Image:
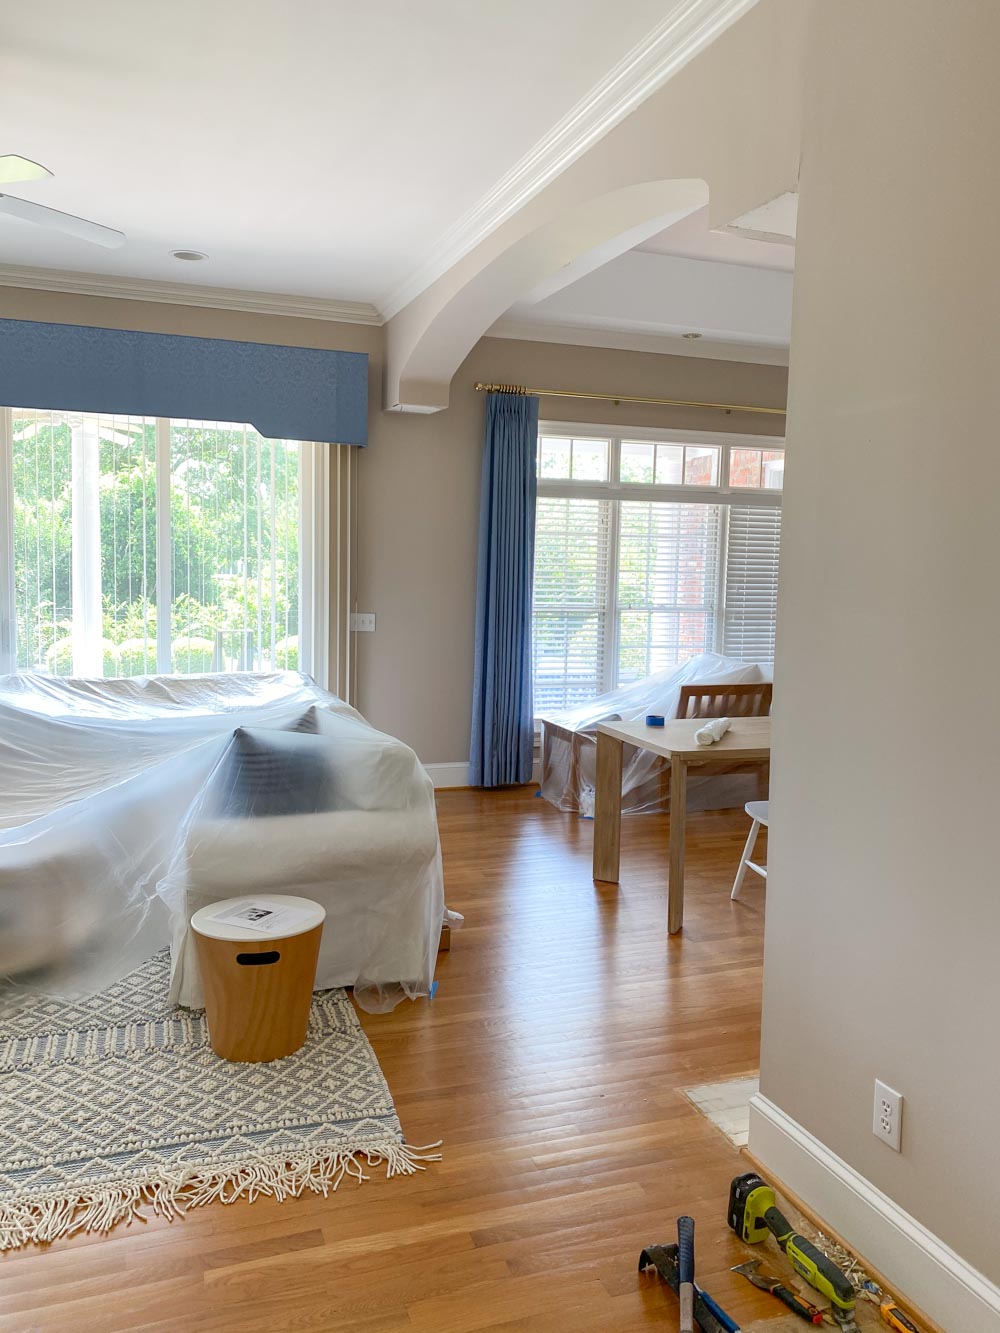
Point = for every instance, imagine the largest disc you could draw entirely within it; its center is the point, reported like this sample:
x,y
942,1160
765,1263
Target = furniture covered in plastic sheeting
x,y
127,804
569,743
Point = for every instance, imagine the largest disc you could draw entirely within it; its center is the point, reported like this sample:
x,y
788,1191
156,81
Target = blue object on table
x,y
654,720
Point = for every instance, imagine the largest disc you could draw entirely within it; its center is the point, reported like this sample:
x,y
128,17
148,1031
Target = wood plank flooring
x,y
549,1063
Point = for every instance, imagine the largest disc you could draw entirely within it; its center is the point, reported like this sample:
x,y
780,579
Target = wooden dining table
x,y
748,740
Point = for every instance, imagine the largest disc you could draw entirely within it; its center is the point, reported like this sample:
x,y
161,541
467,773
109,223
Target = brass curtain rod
x,y
627,398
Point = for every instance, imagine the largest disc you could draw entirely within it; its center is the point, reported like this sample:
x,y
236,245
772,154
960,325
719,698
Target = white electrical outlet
x,y
887,1122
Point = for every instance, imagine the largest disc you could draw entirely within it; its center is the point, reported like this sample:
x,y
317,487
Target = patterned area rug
x,y
118,1101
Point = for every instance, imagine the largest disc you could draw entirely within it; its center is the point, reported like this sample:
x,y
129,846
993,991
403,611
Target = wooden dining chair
x,y
753,700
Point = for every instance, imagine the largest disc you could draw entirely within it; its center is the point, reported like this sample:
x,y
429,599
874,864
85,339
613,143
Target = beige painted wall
x,y
418,484
883,911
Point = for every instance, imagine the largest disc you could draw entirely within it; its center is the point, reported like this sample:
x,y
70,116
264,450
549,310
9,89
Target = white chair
x,y
757,810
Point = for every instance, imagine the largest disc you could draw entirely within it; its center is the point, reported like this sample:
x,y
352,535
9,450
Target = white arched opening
x,y
428,341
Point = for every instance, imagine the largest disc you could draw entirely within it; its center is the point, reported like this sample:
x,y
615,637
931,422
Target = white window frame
x,y
723,494
314,552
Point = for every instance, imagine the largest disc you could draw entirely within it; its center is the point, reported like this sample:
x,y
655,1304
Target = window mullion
x,y
87,634
719,634
609,664
164,552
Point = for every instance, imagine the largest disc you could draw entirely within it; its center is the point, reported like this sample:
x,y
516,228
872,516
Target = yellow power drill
x,y
753,1213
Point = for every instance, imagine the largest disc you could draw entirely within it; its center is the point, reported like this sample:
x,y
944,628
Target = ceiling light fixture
x,y
690,335
191,255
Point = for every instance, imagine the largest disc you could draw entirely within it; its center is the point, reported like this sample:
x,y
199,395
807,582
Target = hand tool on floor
x,y
753,1272
685,1271
894,1317
708,1314
753,1213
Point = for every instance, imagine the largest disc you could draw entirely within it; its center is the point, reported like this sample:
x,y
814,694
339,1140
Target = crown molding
x,y
175,293
690,26
631,340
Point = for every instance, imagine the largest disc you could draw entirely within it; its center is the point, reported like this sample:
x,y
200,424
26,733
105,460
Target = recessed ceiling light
x,y
683,335
192,255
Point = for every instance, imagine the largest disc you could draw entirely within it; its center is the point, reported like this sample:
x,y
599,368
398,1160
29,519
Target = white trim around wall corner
x,y
926,1270
688,28
457,774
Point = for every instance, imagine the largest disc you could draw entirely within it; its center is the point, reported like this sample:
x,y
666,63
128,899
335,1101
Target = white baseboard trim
x,y
925,1269
448,775
457,774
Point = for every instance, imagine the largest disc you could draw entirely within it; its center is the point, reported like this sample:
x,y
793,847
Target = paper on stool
x,y
261,914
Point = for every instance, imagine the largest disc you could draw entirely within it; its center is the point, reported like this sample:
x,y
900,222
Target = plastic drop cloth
x,y
569,743
125,805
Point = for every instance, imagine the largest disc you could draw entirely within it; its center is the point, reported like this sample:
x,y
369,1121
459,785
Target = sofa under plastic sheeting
x,y
569,743
125,805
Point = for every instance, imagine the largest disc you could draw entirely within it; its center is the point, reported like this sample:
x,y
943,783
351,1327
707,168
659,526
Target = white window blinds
x,y
751,582
570,600
667,585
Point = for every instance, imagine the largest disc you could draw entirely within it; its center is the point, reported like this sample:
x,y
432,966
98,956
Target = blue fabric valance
x,y
291,393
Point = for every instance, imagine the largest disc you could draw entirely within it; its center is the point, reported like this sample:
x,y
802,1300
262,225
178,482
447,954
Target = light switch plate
x,y
363,622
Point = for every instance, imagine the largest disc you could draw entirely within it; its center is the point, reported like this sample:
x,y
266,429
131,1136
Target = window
x,y
144,545
649,549
667,577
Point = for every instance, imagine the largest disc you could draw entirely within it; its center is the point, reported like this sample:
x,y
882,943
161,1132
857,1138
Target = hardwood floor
x,y
549,1063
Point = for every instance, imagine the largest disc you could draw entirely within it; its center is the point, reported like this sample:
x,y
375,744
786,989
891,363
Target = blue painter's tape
x,y
434,989
654,720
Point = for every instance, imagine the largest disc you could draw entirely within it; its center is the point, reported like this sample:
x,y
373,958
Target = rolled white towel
x,y
712,731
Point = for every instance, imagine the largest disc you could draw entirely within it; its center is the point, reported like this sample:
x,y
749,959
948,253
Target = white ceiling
x,y
692,239
733,291
318,147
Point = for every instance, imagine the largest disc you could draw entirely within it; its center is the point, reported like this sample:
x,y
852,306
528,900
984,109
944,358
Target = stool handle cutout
x,y
258,959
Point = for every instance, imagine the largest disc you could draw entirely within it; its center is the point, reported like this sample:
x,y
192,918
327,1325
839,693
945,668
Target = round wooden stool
x,y
258,982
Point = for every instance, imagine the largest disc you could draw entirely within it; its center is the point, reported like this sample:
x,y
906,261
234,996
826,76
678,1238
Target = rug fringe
x,y
171,1194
